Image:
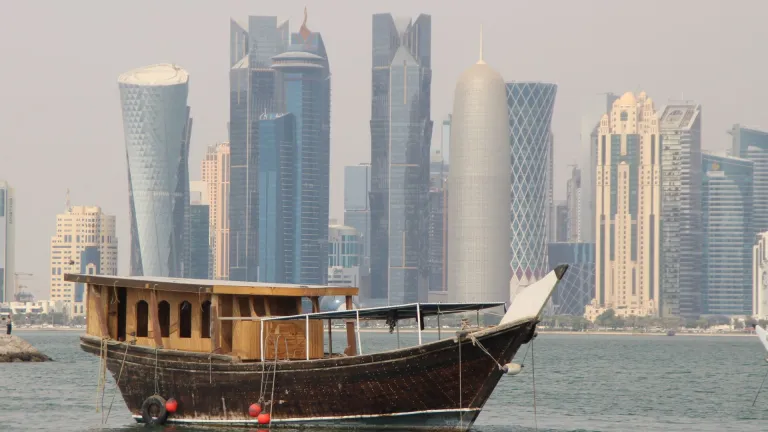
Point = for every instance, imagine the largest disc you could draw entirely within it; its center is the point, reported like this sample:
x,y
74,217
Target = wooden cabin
x,y
224,317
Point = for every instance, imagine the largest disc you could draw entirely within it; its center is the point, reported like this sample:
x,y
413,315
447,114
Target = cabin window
x,y
282,306
205,323
258,306
164,317
244,306
185,319
142,319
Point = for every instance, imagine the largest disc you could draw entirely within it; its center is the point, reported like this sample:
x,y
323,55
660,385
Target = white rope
x,y
119,375
533,373
478,344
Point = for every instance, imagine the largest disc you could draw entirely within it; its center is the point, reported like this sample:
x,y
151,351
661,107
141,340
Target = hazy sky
x,y
60,119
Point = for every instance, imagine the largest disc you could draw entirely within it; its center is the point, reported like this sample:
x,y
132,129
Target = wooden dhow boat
x,y
236,353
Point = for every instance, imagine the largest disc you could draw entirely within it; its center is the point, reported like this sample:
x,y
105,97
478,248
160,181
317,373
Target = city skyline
x,y
194,53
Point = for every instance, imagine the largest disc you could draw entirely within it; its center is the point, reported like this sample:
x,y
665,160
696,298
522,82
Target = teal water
x,y
583,383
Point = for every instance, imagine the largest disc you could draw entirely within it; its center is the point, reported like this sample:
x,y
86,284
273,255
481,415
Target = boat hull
x,y
439,385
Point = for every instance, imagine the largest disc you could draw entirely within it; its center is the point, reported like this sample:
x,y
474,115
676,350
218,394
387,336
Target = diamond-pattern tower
x,y
530,106
157,127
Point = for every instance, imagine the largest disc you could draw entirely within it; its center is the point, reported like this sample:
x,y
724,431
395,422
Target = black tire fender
x,y
147,418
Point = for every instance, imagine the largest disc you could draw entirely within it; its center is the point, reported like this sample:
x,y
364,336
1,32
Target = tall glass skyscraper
x,y
681,264
357,211
577,288
157,128
277,167
7,242
530,107
728,222
752,144
573,193
278,76
401,132
253,87
199,237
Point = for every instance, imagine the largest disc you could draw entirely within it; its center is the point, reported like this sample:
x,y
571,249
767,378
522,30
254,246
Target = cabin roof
x,y
401,312
204,286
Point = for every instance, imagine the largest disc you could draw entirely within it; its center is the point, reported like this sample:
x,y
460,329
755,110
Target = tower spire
x,y
67,203
481,61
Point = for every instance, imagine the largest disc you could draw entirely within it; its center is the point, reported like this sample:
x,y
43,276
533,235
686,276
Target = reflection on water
x,y
583,383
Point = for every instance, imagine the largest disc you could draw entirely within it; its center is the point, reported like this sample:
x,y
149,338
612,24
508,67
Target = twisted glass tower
x,y
157,127
530,106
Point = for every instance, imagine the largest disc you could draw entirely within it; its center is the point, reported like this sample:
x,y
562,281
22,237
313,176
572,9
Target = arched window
x,y
164,316
142,319
185,319
205,323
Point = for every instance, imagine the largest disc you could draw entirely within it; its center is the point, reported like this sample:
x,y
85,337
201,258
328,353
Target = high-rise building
x,y
253,90
157,128
85,242
752,144
357,211
272,73
559,225
530,106
345,254
577,287
628,207
401,132
681,237
277,198
7,242
728,232
592,112
479,180
436,245
215,173
199,238
573,193
760,277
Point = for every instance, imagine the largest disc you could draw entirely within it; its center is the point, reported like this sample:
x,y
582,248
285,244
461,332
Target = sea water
x,y
582,383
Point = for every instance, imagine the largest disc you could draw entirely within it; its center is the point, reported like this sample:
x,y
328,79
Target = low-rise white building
x,y
760,276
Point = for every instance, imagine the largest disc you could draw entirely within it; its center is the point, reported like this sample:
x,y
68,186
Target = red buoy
x,y
254,410
263,418
171,405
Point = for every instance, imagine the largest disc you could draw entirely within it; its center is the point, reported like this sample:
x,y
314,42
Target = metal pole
x,y
359,343
478,318
306,336
261,339
397,326
439,337
330,338
418,321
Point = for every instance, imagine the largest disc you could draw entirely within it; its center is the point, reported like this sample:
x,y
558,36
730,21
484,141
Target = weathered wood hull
x,y
439,385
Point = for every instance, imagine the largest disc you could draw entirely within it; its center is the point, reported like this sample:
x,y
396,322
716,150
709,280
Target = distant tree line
x,y
609,319
56,318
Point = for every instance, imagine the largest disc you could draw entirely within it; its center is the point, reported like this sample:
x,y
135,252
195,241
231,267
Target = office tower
x,y
560,223
592,111
728,230
306,86
157,129
253,90
628,207
7,242
760,277
530,106
345,255
357,211
401,132
199,238
215,173
438,195
752,144
85,242
277,196
577,287
573,193
478,206
681,267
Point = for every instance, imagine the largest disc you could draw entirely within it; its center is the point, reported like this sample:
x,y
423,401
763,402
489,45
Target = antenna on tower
x,y
67,204
481,61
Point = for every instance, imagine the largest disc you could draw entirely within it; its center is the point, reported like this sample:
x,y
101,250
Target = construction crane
x,y
16,286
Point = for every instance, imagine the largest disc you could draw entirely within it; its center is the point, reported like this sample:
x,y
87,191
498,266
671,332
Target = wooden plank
x,y
101,307
285,291
315,304
215,326
155,319
351,337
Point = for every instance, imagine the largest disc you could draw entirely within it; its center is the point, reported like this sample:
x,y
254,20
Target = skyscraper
x,y
628,207
157,128
478,206
573,193
357,211
253,90
401,132
728,214
752,144
215,172
85,242
199,237
577,287
590,125
530,106
681,237
559,223
438,194
7,242
760,277
277,167
275,76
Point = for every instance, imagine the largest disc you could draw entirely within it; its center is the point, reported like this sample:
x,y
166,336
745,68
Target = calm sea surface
x,y
583,383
